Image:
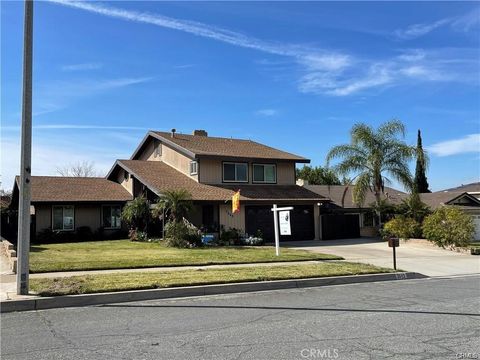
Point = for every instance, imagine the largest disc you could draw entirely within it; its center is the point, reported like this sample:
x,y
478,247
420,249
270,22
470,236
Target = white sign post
x,y
284,224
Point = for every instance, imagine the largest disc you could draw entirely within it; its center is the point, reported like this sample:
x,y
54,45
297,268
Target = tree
x,y
372,155
137,214
413,207
420,182
176,203
318,176
79,169
449,226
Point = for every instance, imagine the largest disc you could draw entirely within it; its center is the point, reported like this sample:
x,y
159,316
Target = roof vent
x,y
200,133
173,133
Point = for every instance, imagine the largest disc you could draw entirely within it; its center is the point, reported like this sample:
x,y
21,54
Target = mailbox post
x,y
394,243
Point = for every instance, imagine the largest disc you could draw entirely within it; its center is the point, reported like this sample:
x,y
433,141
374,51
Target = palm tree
x,y
371,156
176,203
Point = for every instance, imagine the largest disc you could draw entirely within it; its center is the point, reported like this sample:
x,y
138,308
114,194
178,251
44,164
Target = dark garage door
x,y
261,218
340,226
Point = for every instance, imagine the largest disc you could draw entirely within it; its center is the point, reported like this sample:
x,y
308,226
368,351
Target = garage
x,y
476,222
302,222
340,226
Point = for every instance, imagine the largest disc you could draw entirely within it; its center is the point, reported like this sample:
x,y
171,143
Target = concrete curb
x,y
39,303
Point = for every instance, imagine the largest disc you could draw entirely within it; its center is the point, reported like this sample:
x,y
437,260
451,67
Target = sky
x,y
292,75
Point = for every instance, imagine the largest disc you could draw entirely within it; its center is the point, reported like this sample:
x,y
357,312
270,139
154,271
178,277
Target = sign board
x,y
284,217
393,242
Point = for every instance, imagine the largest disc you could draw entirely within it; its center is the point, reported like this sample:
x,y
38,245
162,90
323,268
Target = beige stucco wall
x,y
125,181
211,172
229,220
177,160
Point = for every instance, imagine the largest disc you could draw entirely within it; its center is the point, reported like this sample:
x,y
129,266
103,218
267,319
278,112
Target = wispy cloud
x,y
82,67
457,23
56,95
322,71
266,112
76,127
467,144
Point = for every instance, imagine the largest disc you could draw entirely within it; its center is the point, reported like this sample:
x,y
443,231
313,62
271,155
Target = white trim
x,y
193,162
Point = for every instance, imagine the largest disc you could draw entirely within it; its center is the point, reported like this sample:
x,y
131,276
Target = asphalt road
x,y
409,319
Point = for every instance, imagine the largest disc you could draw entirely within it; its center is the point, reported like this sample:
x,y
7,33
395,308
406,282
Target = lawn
x,y
163,279
125,254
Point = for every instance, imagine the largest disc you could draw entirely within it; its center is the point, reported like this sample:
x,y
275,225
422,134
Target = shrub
x,y
84,233
179,234
137,235
137,213
231,236
402,227
253,241
449,227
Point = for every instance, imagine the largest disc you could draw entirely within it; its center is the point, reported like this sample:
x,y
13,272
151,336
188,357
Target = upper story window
x,y
111,216
63,218
235,172
193,167
265,173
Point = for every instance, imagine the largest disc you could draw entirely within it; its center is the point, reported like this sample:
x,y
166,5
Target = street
x,y
410,319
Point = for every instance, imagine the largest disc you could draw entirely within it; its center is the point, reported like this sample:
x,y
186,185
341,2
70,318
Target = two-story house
x,y
211,169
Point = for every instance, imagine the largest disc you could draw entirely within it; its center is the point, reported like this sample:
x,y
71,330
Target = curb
x,y
40,303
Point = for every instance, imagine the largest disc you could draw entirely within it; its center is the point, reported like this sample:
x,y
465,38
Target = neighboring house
x,y
342,217
464,200
212,169
68,203
472,189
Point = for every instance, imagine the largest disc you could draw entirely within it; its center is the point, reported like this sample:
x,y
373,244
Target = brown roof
x,y
226,147
74,189
159,177
473,187
440,198
336,192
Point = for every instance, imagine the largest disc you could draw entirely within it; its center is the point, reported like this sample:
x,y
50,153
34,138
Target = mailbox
x,y
393,242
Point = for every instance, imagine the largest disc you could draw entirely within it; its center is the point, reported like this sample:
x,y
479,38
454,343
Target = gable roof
x,y
196,146
159,177
336,193
441,198
75,189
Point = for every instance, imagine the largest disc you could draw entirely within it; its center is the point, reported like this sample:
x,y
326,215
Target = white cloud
x,y
467,144
458,23
325,72
81,67
267,112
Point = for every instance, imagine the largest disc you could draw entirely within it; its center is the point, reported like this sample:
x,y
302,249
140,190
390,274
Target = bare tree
x,y
79,169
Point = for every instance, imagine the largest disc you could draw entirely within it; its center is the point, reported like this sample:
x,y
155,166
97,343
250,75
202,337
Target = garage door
x,y
340,226
261,218
476,222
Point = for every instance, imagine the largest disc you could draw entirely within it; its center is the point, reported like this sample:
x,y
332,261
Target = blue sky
x,y
292,75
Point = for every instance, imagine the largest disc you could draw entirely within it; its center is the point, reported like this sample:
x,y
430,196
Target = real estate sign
x,y
284,217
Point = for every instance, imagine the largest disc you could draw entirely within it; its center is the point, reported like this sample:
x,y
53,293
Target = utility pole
x,y
23,240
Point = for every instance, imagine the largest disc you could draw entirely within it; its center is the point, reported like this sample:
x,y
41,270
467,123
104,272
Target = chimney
x,y
173,133
200,133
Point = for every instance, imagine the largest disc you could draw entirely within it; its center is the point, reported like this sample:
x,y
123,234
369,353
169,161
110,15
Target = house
x,y
342,217
472,189
212,169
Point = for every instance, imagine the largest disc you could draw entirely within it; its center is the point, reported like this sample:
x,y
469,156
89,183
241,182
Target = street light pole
x,y
23,240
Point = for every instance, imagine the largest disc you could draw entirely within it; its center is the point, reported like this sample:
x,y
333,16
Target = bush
x,y
136,214
449,226
402,227
231,236
137,235
253,241
180,235
84,233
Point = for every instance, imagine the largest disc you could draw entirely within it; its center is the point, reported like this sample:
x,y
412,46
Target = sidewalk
x,y
8,285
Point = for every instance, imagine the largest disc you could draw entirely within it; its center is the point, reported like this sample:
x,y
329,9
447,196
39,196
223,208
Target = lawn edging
x,y
40,303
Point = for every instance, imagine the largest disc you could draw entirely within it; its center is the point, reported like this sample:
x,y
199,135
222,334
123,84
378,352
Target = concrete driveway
x,y
414,255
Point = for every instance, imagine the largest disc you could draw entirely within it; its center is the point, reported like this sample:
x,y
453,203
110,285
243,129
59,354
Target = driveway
x,y
417,256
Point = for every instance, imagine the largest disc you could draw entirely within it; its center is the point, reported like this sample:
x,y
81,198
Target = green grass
x,y
125,254
162,279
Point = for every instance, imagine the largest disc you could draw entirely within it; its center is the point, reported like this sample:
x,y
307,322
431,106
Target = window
x,y
157,148
111,216
63,218
193,168
264,173
235,172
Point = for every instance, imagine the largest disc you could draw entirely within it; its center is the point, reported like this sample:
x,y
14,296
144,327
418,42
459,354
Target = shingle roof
x,y
227,147
440,198
160,177
336,192
473,187
73,189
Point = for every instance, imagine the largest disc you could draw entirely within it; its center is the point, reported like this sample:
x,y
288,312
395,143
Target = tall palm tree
x,y
176,203
371,156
